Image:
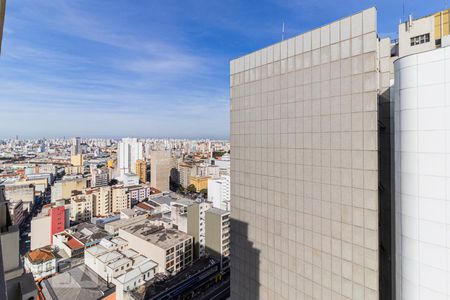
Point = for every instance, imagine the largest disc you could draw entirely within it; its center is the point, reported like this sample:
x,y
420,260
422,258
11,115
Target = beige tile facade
x,y
304,173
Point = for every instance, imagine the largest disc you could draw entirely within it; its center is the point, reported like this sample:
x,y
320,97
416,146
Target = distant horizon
x,y
68,137
149,68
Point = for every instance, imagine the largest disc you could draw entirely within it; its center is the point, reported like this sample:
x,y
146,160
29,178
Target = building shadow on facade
x,y
386,194
245,263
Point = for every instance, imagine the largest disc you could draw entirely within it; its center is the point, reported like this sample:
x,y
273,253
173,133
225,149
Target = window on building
x,y
420,39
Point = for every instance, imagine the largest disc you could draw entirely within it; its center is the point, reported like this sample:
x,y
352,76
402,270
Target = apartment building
x,y
171,249
99,177
129,150
217,234
160,165
186,171
80,208
219,192
141,170
44,226
139,193
307,110
119,199
101,200
196,214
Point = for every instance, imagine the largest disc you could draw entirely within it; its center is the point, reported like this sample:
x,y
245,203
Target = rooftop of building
x,y
163,199
40,255
112,226
154,232
145,206
217,211
183,202
77,283
87,232
138,268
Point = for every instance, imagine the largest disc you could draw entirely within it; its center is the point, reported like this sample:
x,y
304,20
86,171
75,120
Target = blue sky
x,y
145,67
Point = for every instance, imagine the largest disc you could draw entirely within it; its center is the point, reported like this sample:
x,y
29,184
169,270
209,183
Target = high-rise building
x,y
141,170
305,173
101,200
99,177
217,234
196,214
422,173
76,146
160,165
119,199
129,150
219,192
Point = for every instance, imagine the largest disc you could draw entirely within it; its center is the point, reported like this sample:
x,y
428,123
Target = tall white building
x,y
129,151
219,192
422,174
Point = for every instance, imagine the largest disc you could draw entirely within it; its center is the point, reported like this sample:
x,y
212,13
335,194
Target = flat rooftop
x,y
156,234
77,283
217,211
87,232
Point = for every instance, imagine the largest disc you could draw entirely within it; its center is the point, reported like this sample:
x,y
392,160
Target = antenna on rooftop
x,y
282,32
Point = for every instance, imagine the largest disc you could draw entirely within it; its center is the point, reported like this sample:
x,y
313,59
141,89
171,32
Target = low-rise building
x,y
171,249
68,244
115,262
41,262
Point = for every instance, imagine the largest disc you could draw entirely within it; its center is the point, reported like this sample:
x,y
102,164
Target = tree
x,y
204,193
192,189
181,190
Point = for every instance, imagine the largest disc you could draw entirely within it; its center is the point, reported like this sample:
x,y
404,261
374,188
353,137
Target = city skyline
x,y
98,69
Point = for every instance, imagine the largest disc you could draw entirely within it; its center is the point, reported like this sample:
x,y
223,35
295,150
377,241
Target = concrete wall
x,y
193,226
213,232
40,232
304,174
